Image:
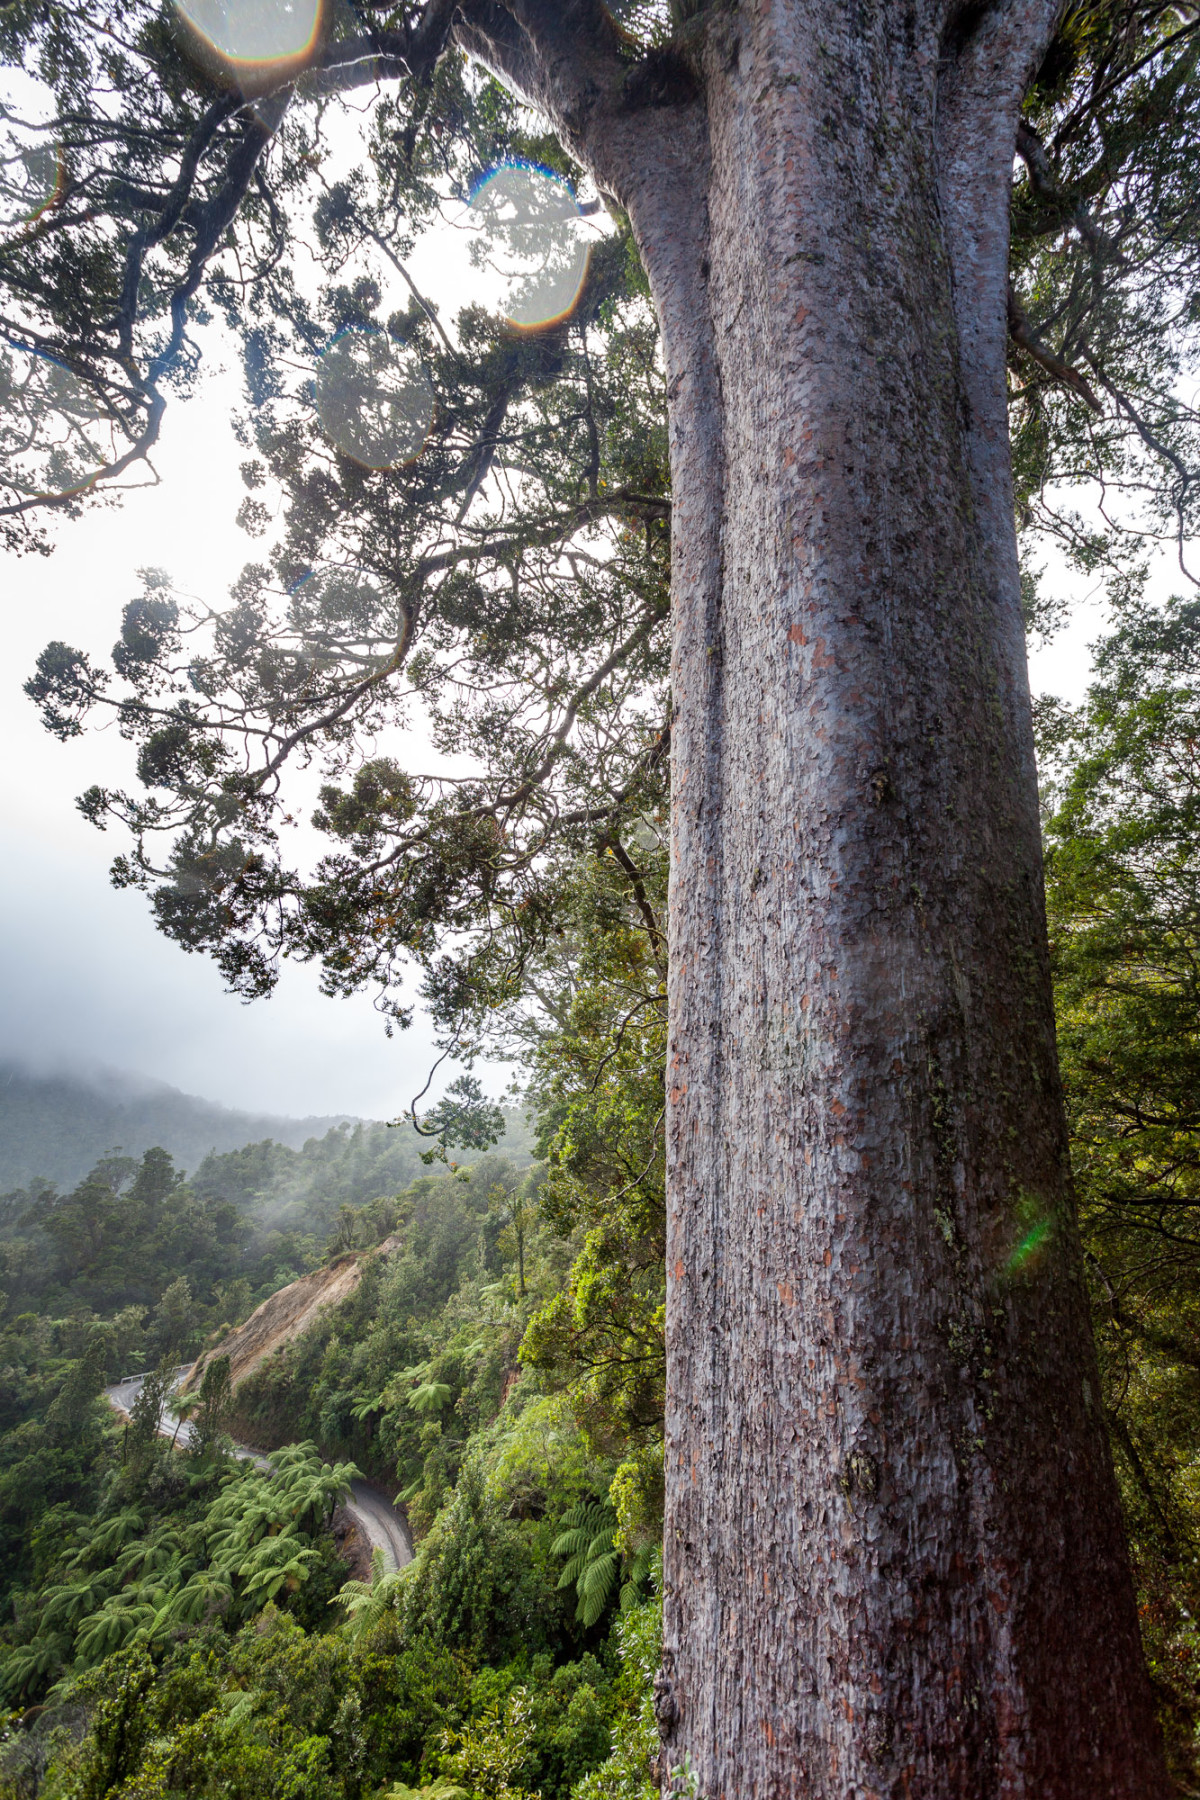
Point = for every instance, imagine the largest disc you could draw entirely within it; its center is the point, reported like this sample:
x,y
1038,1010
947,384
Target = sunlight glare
x,y
257,42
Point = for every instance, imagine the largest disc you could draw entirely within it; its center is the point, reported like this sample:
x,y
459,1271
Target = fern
x,y
593,1561
366,1602
253,1542
29,1663
430,1397
639,1569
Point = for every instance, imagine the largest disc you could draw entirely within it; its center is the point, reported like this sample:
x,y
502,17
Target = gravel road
x,y
380,1523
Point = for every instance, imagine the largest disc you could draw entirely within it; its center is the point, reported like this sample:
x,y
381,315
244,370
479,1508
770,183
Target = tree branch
x,y
658,948
1024,336
1155,443
170,211
1062,208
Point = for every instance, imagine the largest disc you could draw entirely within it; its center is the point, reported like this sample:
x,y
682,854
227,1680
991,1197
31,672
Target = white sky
x,y
84,977
83,973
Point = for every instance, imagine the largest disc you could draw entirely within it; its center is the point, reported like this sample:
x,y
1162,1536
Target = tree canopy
x,y
507,584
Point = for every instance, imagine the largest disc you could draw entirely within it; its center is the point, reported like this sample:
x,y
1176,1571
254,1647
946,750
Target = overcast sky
x,y
83,973
84,978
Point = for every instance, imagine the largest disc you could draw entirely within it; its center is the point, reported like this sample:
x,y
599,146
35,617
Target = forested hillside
x,y
143,1586
255,1217
178,1624
55,1127
303,1188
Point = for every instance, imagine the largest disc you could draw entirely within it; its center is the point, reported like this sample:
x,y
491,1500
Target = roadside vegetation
x,y
178,1623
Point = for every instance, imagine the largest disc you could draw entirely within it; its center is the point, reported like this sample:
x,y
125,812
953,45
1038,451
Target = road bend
x,y
381,1525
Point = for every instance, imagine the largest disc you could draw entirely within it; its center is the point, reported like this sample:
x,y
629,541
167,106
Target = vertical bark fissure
x,y
671,220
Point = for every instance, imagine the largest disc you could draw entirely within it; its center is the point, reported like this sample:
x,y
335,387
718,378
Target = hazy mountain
x,y
57,1125
290,1190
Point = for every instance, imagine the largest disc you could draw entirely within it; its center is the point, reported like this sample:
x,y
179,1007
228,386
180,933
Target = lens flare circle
x,y
32,178
530,220
256,42
373,398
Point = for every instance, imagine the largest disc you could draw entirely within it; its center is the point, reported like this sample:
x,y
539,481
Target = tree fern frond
x,y
595,1589
599,1575
572,1571
430,1397
588,1541
572,1543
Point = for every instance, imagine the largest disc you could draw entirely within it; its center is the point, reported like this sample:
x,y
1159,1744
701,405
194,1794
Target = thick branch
x,y
1026,339
212,219
569,59
563,54
1061,208
169,214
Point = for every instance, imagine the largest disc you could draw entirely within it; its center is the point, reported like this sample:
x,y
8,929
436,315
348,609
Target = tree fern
x,y
27,1664
593,1561
366,1602
430,1397
253,1541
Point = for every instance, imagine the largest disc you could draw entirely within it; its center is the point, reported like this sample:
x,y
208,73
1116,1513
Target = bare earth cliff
x,y
287,1314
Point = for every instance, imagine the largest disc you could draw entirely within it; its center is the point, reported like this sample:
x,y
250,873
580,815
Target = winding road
x,y
372,1512
383,1527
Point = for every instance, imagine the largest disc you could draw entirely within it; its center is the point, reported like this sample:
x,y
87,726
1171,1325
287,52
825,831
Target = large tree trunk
x,y
894,1559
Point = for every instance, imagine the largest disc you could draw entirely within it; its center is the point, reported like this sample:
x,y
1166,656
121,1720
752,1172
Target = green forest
x,y
472,537
56,1125
179,1622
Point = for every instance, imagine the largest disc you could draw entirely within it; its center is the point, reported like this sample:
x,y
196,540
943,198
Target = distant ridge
x,y
56,1125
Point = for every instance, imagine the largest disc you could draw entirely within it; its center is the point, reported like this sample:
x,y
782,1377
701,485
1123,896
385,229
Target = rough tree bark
x,y
894,1559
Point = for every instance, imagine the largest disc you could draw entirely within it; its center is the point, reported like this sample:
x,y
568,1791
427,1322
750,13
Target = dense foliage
x,y
1123,889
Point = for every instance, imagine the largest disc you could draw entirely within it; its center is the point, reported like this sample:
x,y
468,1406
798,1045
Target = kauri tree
x,y
770,442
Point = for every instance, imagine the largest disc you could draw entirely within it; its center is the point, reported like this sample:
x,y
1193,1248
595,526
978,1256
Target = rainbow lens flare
x,y
256,42
1034,1235
534,235
373,398
1027,1251
32,178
